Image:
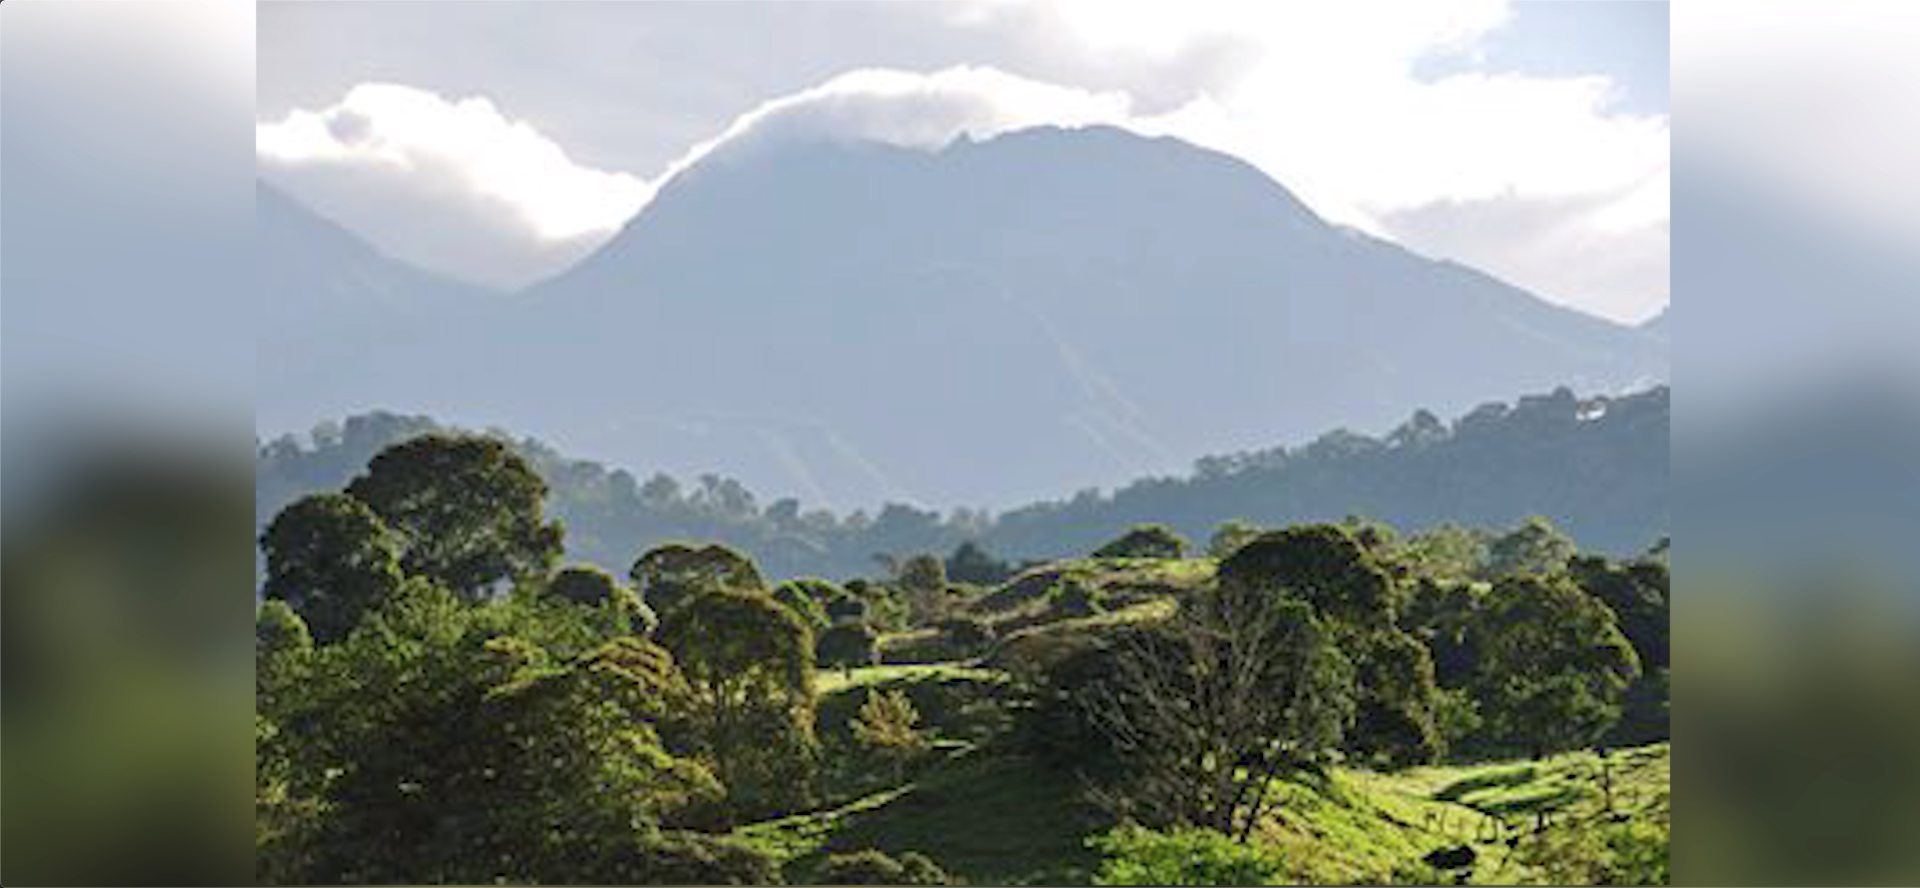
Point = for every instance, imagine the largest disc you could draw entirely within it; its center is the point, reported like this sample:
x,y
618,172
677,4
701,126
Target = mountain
x,y
1597,467
989,323
1659,327
327,303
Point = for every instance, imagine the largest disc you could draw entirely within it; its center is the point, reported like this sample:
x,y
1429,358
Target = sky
x,y
499,142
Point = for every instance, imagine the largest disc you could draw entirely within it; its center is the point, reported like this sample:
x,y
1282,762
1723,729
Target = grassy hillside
x,y
994,816
988,812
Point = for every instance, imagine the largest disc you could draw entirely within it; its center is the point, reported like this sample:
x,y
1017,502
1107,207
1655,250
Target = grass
x,y
836,681
1002,818
991,815
990,818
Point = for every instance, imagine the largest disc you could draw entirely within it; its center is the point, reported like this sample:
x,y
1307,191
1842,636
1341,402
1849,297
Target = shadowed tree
x,y
468,507
331,559
1333,569
1552,664
1230,536
808,599
923,580
1198,715
848,645
1145,541
748,662
1534,547
672,574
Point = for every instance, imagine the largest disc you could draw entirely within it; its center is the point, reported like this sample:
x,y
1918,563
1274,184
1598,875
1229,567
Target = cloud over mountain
x,y
455,185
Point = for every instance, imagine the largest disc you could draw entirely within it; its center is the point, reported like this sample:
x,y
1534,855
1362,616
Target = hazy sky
x,y
499,141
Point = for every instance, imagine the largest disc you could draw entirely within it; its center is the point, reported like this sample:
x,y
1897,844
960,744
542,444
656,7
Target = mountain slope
x,y
330,310
1122,302
854,323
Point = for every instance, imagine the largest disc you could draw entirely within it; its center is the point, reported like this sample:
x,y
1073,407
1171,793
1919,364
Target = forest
x,y
445,693
1598,467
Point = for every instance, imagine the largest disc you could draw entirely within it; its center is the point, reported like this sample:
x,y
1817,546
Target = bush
x,y
1145,541
691,858
807,599
1073,599
1634,853
967,633
848,645
872,867
1139,856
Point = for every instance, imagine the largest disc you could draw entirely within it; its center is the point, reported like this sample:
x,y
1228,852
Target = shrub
x,y
1145,541
692,858
871,867
807,599
1139,856
967,633
1073,599
848,645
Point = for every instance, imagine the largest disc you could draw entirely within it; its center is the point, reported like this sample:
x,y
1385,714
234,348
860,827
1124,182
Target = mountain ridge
x,y
1049,308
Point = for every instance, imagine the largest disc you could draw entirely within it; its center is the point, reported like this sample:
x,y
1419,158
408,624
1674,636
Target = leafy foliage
x,y
331,558
442,742
469,509
1145,541
1552,664
1598,467
748,664
670,575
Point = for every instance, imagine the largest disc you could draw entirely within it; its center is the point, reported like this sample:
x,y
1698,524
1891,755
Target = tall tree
x,y
673,574
1335,570
1145,541
331,559
1199,714
1534,547
749,664
468,507
1552,664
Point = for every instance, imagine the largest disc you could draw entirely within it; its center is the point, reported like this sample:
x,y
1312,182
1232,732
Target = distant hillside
x,y
330,310
1598,468
987,323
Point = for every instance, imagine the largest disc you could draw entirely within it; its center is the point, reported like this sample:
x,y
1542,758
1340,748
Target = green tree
x,y
970,563
330,558
1637,593
887,725
1191,720
469,509
444,744
1552,664
1230,536
1321,564
1333,569
748,663
848,645
923,581
584,585
675,573
1145,541
808,598
1534,547
872,867
604,607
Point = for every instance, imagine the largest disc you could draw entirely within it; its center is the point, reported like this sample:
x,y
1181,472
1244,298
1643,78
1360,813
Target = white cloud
x,y
912,110
1819,102
1323,97
460,159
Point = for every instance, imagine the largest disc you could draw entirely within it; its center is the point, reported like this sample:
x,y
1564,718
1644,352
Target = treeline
x,y
440,700
1598,468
